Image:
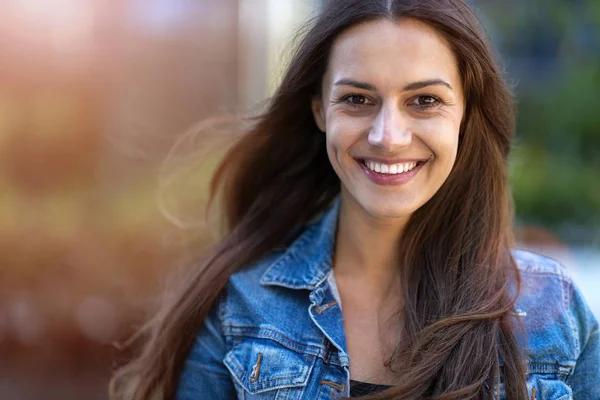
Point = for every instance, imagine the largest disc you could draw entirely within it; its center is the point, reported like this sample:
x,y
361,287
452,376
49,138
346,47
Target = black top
x,y
358,388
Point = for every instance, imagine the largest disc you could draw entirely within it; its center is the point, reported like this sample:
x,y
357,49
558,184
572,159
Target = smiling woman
x,y
391,115
369,236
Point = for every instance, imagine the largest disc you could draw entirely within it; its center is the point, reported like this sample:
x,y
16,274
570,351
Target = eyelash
x,y
436,102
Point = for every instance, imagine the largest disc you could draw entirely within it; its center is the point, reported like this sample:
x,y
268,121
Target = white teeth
x,y
390,168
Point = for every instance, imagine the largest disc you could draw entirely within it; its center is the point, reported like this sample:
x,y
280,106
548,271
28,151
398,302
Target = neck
x,y
367,248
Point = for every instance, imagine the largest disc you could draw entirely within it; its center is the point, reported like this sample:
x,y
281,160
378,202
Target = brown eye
x,y
425,101
357,100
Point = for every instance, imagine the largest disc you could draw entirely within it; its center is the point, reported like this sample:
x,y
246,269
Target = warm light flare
x,y
62,26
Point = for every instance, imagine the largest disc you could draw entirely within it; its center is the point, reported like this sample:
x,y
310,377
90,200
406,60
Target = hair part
x,y
458,318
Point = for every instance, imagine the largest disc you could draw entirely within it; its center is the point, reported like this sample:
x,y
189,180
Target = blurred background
x,y
94,94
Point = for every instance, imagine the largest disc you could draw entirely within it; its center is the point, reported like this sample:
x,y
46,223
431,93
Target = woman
x,y
369,236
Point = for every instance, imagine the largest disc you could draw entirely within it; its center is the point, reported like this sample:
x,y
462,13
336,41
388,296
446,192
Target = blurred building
x,y
92,96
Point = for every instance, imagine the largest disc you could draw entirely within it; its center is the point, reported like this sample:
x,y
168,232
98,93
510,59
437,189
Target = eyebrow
x,y
422,84
409,87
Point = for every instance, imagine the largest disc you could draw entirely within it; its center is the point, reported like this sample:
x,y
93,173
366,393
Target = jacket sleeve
x,y
204,375
585,381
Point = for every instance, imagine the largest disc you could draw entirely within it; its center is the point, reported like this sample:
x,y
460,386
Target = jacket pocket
x,y
540,387
260,365
548,389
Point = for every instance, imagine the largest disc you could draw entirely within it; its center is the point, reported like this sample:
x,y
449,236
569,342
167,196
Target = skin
x,y
408,104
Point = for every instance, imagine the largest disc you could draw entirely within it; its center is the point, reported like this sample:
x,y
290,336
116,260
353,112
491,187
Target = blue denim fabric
x,y
277,331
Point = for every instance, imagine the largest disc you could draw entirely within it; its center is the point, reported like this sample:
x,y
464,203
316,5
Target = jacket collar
x,y
308,260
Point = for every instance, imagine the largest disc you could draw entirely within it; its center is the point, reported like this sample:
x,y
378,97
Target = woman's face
x,y
391,107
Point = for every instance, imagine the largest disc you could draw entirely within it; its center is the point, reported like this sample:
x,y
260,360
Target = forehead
x,y
387,52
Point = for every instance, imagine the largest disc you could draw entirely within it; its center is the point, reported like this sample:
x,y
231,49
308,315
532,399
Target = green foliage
x,y
554,190
555,165
555,169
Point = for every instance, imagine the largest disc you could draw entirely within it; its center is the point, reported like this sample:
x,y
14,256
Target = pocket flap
x,y
262,364
539,387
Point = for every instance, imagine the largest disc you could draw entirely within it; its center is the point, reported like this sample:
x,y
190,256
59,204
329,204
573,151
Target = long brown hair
x,y
458,318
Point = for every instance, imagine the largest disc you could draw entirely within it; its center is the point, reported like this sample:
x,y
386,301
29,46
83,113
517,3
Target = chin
x,y
391,212
388,207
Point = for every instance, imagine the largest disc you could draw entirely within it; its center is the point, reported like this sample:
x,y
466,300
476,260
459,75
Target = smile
x,y
389,168
391,174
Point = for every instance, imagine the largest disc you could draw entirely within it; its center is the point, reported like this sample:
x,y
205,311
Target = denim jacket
x,y
277,331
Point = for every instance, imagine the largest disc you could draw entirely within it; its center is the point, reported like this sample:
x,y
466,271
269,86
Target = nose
x,y
390,130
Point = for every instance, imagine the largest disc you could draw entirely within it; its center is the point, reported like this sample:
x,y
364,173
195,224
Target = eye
x,y
357,100
425,101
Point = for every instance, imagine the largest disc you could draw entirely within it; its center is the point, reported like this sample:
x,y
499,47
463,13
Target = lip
x,y
391,160
390,179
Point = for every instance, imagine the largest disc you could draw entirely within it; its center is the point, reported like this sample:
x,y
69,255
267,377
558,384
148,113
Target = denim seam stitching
x,y
575,333
275,336
561,276
241,370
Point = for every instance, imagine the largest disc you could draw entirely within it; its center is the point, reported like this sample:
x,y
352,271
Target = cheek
x,y
343,131
440,135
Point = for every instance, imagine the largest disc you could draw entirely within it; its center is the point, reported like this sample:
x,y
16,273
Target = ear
x,y
318,112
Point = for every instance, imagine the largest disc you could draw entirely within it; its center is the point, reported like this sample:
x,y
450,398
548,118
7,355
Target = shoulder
x,y
533,263
560,332
546,285
543,278
555,315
